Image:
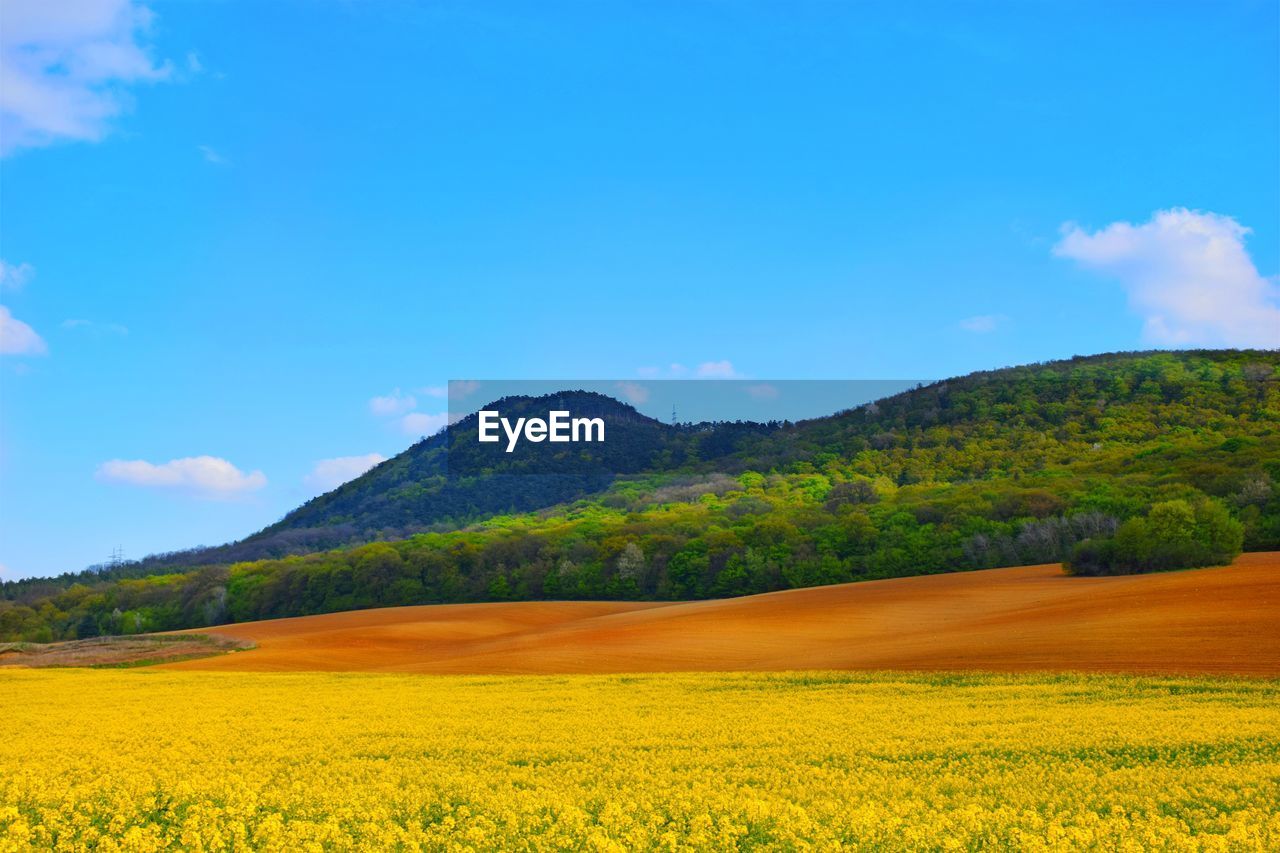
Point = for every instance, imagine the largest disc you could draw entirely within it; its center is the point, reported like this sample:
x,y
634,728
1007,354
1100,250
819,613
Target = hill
x,y
982,426
1002,468
1204,621
447,480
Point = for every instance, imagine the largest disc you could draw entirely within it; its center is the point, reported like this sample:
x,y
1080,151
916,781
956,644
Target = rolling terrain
x,y
1118,463
1205,621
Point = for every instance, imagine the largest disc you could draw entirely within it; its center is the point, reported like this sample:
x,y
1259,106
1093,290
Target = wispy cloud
x,y
68,68
460,389
201,476
395,403
706,370
634,392
401,407
716,370
14,277
421,423
983,324
212,156
1187,274
95,327
328,474
17,338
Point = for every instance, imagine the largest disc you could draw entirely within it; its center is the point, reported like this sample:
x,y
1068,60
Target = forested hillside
x,y
447,480
999,468
450,479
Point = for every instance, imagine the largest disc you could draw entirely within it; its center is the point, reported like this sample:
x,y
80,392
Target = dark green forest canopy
x,y
997,468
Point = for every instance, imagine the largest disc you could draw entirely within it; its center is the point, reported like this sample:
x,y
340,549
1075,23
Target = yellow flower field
x,y
149,760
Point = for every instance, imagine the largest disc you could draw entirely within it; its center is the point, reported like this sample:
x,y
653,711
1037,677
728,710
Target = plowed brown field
x,y
1220,620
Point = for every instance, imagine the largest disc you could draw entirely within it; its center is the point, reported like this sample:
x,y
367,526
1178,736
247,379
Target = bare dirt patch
x,y
1223,621
100,652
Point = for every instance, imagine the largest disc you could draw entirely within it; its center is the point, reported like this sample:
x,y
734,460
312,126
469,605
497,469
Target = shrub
x,y
1174,534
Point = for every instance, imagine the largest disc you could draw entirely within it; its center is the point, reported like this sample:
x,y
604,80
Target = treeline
x,y
1008,423
756,533
1119,463
1005,423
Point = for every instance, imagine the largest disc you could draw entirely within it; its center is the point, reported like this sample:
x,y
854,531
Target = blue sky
x,y
230,229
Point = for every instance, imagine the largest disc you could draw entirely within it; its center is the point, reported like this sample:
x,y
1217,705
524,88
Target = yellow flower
x,y
148,760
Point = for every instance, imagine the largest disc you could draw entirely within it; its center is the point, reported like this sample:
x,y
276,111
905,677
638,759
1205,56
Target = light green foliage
x,y
1121,463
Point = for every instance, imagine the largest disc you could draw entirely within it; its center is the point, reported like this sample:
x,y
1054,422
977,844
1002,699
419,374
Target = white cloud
x,y
634,392
15,276
204,476
211,156
400,405
675,370
392,404
716,370
705,370
763,391
17,338
462,388
1188,274
420,423
983,323
331,473
67,68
